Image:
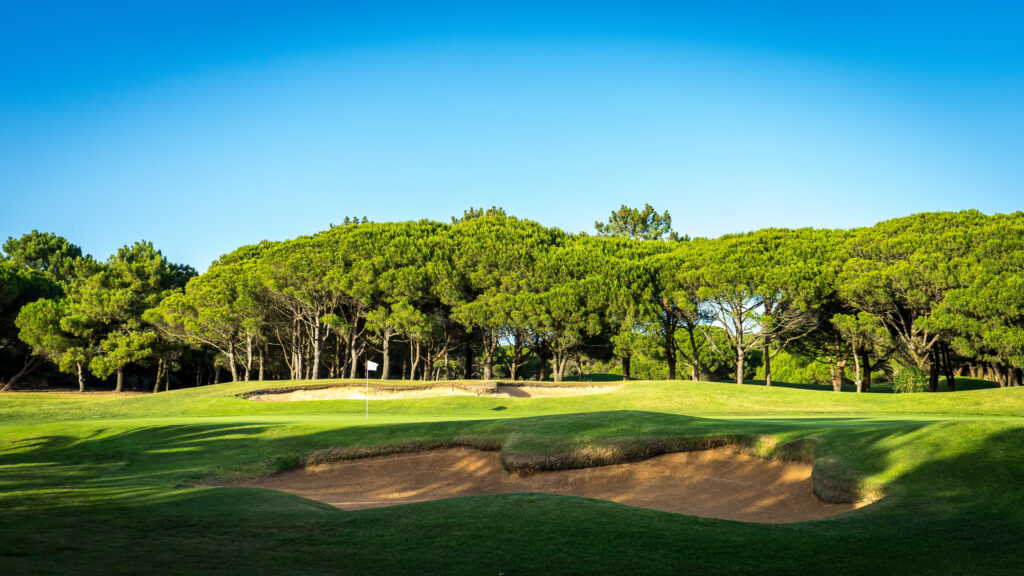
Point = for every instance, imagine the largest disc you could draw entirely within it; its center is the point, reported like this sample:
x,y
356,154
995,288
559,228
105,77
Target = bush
x,y
909,379
796,369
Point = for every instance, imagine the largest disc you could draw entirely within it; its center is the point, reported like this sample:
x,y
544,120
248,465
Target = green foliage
x,y
638,224
908,379
107,307
39,325
445,295
45,252
796,369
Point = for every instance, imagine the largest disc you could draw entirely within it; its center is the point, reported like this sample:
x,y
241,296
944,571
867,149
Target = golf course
x,y
101,483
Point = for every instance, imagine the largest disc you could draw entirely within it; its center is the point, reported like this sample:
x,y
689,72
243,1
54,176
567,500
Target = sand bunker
x,y
360,393
718,483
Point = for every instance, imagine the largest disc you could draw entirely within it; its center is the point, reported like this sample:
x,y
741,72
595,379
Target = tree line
x,y
489,295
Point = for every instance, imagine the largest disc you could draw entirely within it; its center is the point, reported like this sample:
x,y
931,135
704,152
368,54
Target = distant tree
x,y
44,251
567,304
472,213
866,335
637,224
110,305
216,310
18,287
40,327
901,270
631,310
730,283
492,259
797,275
682,313
984,317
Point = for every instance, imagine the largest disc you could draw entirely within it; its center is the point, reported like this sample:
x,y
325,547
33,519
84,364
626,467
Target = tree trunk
x,y
261,365
231,362
81,377
120,379
414,360
353,362
428,361
31,363
766,350
558,364
406,360
579,367
297,351
739,364
159,374
933,372
867,372
318,344
447,366
517,358
836,368
859,377
950,379
625,367
385,364
337,357
697,367
1018,377
542,374
490,343
467,372
343,363
248,357
670,357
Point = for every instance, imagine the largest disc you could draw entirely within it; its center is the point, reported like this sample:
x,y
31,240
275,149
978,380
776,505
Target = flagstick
x,y
370,365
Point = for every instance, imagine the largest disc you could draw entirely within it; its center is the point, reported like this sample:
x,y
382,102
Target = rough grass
x,y
100,484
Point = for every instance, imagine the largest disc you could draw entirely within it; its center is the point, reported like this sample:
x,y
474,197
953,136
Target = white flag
x,y
371,365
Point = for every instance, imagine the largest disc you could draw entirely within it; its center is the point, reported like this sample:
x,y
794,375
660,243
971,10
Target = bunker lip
x,y
716,483
496,390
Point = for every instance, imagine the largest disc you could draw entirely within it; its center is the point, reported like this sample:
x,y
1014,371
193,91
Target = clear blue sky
x,y
202,126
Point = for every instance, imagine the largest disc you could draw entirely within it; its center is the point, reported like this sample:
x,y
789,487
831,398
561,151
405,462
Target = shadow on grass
x,y
118,468
962,385
959,506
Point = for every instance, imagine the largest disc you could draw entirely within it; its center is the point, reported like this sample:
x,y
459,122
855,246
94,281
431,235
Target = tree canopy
x,y
490,295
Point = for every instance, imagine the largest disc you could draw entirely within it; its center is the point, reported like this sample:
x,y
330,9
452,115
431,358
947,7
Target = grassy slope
x,y
88,484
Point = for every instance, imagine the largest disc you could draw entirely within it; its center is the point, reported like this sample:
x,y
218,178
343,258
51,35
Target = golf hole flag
x,y
370,367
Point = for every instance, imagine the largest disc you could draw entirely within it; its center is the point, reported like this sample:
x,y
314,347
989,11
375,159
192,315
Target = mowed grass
x,y
100,484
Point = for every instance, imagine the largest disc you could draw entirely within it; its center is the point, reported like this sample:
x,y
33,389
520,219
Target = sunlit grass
x,y
102,483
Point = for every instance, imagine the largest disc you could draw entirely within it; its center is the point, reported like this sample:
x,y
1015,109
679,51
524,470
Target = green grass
x,y
93,484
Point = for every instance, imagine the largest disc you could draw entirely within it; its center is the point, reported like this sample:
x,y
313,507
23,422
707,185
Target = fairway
x,y
113,484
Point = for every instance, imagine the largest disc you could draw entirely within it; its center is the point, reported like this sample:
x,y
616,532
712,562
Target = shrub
x,y
797,369
909,379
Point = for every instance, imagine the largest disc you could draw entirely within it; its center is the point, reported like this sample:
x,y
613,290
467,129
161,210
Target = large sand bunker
x,y
717,483
396,393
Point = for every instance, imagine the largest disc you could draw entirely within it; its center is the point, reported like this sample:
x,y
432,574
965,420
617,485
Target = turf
x,y
93,484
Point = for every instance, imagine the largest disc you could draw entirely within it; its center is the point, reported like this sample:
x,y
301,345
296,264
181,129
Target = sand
x,y
718,483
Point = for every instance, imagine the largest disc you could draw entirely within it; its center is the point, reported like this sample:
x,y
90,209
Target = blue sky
x,y
202,126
